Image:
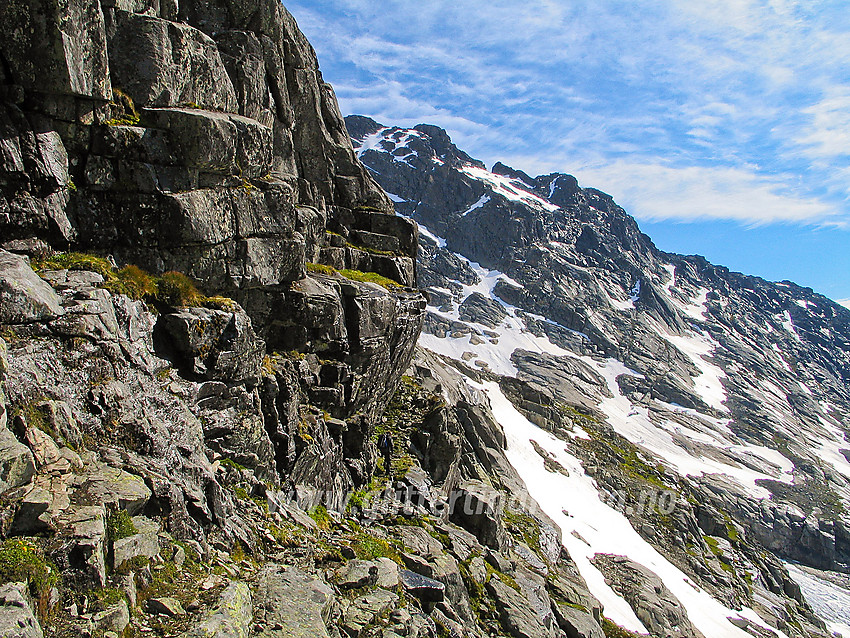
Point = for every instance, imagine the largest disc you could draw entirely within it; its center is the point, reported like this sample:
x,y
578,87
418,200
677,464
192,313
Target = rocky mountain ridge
x,y
734,384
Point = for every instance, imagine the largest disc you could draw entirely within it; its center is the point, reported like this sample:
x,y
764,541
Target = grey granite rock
x,y
24,296
17,619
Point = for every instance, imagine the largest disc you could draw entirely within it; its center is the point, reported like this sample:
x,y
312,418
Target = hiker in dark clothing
x,y
385,446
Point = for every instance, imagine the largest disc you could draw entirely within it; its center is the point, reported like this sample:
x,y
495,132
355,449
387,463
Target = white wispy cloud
x,y
844,302
735,109
654,192
827,135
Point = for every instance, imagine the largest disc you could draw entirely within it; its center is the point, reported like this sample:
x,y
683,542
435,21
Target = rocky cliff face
x,y
176,461
726,389
208,317
202,139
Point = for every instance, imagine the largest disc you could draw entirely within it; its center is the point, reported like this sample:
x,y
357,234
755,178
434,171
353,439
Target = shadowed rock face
x,y
203,140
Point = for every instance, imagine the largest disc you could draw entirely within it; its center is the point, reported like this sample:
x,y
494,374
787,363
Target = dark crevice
x,y
7,70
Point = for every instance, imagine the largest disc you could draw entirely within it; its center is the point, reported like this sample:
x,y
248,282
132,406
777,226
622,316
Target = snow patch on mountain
x,y
506,187
622,305
481,202
830,600
589,526
788,324
663,438
371,142
395,198
709,385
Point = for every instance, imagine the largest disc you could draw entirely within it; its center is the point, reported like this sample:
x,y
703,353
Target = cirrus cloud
x,y
734,109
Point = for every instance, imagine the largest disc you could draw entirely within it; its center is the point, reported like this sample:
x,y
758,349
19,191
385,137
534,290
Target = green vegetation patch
x,y
21,561
370,277
321,516
623,454
33,415
612,630
176,289
76,261
124,110
133,282
525,527
120,525
172,288
320,269
368,547
107,597
354,275
230,463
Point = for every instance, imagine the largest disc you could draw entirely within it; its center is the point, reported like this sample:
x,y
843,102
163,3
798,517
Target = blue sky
x,y
723,126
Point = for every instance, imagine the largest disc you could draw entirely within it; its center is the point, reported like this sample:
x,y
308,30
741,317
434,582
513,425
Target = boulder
x,y
114,619
357,574
43,447
111,486
33,514
214,344
243,57
24,296
477,508
480,309
83,532
144,544
17,465
388,573
425,589
163,63
231,619
215,142
365,610
517,615
292,604
375,241
17,619
165,606
577,623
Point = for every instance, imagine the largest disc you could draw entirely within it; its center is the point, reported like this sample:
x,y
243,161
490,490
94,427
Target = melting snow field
x,y
829,600
634,423
507,187
629,420
573,503
709,385
589,525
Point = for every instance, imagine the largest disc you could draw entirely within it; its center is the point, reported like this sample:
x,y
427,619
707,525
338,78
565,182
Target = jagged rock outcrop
x,y
203,139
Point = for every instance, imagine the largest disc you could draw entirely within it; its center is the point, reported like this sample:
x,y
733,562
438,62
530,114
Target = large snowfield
x,y
588,521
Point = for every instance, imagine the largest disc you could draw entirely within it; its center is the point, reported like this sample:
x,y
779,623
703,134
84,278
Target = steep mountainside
x,y
185,462
732,390
209,322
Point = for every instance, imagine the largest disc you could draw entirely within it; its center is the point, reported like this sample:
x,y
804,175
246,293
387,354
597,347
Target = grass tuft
x,y
76,261
176,289
120,525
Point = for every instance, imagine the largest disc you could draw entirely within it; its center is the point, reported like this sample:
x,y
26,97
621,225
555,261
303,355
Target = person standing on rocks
x,y
385,446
